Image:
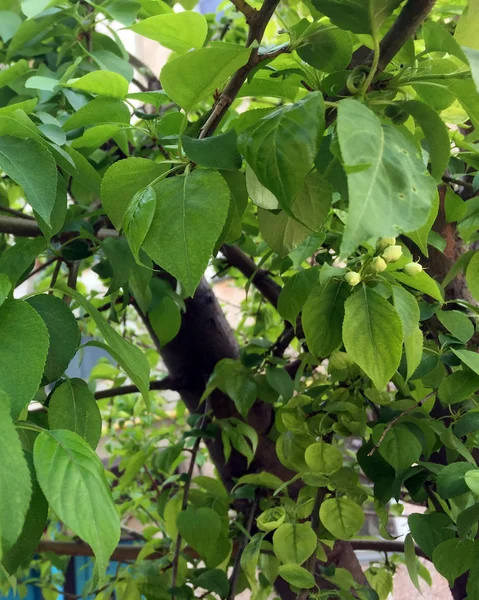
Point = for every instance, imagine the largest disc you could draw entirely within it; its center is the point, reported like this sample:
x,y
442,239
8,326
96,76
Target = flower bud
x,y
385,242
379,264
412,268
352,278
392,253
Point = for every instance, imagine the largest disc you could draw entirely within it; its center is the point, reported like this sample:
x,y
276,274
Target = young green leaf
x,y
452,558
15,480
472,276
342,517
24,343
62,459
372,334
138,218
294,542
281,147
102,83
177,31
63,332
200,527
190,213
411,561
297,576
72,406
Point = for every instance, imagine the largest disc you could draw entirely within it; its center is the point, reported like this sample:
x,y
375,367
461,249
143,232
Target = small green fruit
x,y
392,253
412,268
379,264
385,242
352,278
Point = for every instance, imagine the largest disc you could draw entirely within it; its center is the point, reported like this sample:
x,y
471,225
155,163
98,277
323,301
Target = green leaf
x,y
213,580
122,181
15,479
9,23
407,309
294,542
272,518
23,351
263,479
165,318
296,576
102,83
59,211
458,386
17,70
465,33
438,39
342,517
295,293
138,218
389,188
19,259
190,213
451,480
400,448
454,206
472,480
381,580
32,166
5,287
72,406
249,559
64,461
323,315
200,527
177,31
281,147
457,323
22,551
413,348
372,335
328,49
192,77
323,458
435,132
453,558
217,152
421,236
358,16
99,110
259,195
473,59
471,359
430,530
130,358
411,561
467,518
468,423
472,276
421,282
63,332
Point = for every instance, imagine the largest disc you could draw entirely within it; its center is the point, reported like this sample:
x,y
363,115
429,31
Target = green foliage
x,y
324,160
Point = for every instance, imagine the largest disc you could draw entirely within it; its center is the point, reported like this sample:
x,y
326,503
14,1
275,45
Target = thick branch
x,y
243,7
163,384
409,20
28,228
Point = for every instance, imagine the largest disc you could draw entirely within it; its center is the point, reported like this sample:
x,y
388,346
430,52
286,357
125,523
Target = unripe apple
x,y
392,253
379,264
352,278
385,242
412,268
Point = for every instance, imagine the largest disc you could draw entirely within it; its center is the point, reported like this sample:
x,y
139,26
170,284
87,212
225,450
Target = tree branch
x,y
244,8
245,265
236,567
163,384
409,20
28,228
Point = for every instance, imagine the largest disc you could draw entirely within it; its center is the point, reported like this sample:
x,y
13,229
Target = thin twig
x,y
56,272
460,182
163,384
396,419
40,268
73,271
186,491
16,213
24,227
236,567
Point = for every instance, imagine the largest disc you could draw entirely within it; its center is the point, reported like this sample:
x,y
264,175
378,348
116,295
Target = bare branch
x,y
244,8
163,384
384,546
409,20
236,567
27,228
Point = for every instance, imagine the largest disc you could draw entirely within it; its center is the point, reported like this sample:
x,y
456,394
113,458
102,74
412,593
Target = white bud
x,y
392,253
385,242
352,278
379,264
412,268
